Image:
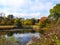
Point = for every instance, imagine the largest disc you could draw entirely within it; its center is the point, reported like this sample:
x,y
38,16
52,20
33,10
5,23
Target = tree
x,y
9,22
17,22
55,12
11,19
10,16
44,21
27,22
58,21
3,22
1,19
33,20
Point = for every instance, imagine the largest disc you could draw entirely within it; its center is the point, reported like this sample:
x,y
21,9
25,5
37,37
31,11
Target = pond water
x,y
24,38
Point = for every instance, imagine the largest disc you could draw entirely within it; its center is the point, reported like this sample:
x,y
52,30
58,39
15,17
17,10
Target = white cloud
x,y
27,15
26,8
24,15
11,2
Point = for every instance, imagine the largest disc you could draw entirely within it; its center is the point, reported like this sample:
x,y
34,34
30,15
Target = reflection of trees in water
x,y
19,40
7,41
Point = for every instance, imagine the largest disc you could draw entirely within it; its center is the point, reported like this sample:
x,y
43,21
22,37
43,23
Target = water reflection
x,y
23,38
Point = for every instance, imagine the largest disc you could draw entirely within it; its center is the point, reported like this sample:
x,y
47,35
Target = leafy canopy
x,y
55,12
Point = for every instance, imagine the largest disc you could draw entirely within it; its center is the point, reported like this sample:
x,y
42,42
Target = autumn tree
x,y
42,21
3,22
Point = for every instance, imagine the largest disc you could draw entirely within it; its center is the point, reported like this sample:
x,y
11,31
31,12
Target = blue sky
x,y
27,8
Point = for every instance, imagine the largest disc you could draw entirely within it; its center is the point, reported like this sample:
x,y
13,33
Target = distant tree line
x,y
11,20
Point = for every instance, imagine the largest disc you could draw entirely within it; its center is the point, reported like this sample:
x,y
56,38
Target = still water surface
x,y
24,38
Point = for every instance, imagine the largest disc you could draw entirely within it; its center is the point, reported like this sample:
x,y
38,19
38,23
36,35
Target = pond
x,y
21,38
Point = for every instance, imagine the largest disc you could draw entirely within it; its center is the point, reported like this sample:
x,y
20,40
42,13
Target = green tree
x,y
10,16
27,22
58,21
17,22
55,12
33,21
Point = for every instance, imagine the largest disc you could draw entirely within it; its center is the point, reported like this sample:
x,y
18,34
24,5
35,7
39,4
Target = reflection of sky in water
x,y
27,35
24,38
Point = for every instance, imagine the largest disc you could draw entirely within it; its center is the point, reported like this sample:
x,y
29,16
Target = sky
x,y
27,8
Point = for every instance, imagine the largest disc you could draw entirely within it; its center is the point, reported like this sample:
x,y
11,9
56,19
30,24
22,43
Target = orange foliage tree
x,y
44,21
3,22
